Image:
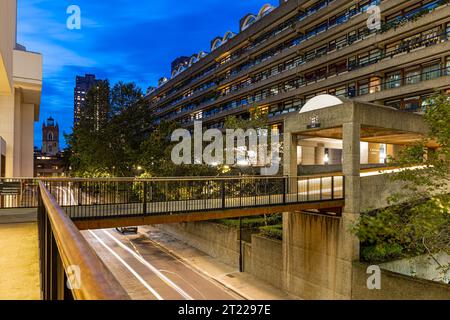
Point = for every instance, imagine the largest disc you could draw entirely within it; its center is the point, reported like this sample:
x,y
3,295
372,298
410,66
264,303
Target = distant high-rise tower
x,y
82,87
50,138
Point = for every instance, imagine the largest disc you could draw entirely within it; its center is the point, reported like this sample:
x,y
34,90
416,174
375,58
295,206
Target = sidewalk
x,y
244,284
19,262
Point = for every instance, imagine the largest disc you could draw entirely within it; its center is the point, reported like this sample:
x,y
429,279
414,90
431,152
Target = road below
x,y
147,272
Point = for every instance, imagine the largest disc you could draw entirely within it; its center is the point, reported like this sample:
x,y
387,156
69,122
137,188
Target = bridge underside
x,y
129,221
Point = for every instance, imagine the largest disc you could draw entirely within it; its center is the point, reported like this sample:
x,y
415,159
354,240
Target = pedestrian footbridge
x,y
106,203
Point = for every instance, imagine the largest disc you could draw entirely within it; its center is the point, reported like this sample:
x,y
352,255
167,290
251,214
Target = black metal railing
x,y
18,193
105,198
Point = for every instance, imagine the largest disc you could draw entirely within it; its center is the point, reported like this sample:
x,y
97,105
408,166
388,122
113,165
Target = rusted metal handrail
x,y
97,282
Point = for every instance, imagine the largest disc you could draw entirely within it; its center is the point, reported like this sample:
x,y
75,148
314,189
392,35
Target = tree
x,y
156,155
418,218
113,125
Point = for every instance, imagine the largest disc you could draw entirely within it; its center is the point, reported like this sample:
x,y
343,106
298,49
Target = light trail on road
x,y
141,280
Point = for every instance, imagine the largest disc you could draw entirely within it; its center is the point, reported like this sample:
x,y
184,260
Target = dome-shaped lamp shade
x,y
320,102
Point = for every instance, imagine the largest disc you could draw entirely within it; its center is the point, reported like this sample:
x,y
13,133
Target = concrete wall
x,y
376,189
395,286
423,267
216,240
317,264
263,258
7,43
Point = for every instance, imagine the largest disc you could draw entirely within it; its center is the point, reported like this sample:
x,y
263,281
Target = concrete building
x,y
20,95
82,87
284,56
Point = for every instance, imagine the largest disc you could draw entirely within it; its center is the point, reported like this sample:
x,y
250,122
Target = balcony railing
x,y
66,255
84,199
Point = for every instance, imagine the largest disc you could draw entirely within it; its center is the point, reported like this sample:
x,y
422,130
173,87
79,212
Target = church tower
x,y
50,138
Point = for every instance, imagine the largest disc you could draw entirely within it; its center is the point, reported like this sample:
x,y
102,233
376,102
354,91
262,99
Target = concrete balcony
x,y
27,75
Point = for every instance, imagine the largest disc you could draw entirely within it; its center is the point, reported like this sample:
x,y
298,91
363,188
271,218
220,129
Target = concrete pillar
x,y
351,166
319,154
27,141
7,131
308,155
348,243
289,154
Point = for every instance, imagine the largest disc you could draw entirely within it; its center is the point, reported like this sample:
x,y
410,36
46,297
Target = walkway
x,y
19,262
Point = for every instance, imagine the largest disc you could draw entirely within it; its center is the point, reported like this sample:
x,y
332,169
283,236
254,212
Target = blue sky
x,y
119,40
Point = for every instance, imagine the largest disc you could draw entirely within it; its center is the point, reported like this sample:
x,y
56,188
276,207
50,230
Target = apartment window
x,y
431,71
310,77
340,92
352,36
341,42
375,55
290,85
363,87
412,104
363,59
289,64
322,73
298,104
310,55
321,51
352,63
338,67
352,90
375,85
426,101
274,91
447,65
393,80
412,76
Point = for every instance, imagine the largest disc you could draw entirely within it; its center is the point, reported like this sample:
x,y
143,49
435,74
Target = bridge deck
x,y
95,203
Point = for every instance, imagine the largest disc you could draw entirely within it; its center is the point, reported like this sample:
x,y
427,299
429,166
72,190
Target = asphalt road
x,y
147,272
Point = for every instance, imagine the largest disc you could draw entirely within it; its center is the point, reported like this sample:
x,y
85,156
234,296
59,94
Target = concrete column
x,y
348,243
7,131
351,166
308,155
319,154
27,141
289,154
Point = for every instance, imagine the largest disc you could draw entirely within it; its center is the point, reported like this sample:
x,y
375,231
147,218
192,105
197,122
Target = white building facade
x,y
20,95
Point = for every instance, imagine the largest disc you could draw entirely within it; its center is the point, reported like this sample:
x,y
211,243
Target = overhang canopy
x,y
379,124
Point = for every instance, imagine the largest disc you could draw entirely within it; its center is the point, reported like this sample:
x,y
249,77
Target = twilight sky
x,y
119,40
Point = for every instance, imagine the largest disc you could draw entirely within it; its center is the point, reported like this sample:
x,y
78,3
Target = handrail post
x,y
79,194
332,187
144,205
223,194
284,189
